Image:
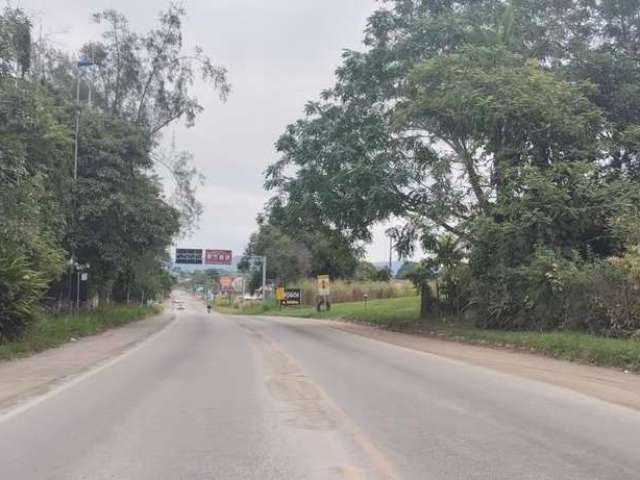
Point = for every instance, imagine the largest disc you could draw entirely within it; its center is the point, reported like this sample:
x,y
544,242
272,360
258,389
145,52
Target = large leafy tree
x,y
442,154
469,118
15,43
121,214
147,80
287,260
297,254
33,146
115,216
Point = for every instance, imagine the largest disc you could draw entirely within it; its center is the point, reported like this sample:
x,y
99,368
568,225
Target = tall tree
x,y
147,80
115,216
471,118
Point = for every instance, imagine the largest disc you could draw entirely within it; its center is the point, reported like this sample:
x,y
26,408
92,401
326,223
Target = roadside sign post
x,y
292,296
324,291
280,295
198,256
287,297
189,256
81,276
218,257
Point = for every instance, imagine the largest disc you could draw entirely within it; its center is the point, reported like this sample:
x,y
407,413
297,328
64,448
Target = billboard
x,y
218,257
188,256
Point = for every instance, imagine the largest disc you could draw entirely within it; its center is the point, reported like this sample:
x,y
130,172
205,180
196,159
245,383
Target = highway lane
x,y
221,397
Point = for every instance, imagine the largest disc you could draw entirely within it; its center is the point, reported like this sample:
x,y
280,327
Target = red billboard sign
x,y
218,257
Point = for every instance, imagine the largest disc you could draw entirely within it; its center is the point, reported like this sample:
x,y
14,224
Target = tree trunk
x,y
426,301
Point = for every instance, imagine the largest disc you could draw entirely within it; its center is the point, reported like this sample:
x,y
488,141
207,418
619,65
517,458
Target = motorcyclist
x,y
208,308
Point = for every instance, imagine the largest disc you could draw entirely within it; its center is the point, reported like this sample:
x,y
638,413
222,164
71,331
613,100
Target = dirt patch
x,y
603,383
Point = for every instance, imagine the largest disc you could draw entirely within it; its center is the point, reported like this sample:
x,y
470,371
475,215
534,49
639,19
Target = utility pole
x,y
390,255
264,279
82,63
78,291
90,103
263,259
77,131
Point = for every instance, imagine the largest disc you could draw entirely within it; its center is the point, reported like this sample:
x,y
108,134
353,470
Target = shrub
x,y
21,290
555,292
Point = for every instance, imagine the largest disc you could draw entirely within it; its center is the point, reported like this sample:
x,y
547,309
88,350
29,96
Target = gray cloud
x,y
279,53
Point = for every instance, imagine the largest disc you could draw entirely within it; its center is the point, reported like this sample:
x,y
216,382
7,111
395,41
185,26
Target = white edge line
x,y
12,412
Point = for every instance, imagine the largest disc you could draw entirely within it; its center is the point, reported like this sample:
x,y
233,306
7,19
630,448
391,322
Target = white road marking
x,y
75,380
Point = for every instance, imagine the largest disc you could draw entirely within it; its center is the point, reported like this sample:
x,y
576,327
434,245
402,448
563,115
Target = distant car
x,y
180,306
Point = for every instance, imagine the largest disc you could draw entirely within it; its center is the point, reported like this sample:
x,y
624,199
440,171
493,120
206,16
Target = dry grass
x,y
351,291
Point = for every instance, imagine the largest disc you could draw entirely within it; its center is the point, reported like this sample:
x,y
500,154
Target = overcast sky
x,y
279,54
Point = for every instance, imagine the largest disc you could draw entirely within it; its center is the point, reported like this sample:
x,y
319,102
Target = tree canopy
x,y
115,217
295,254
511,127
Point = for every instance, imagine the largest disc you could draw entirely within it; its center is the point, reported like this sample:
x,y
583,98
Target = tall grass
x,y
50,331
343,291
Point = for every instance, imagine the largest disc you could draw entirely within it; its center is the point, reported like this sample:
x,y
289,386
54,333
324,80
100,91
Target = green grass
x,y
392,312
401,314
54,330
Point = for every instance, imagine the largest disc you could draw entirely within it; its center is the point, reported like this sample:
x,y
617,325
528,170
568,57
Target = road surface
x,y
221,397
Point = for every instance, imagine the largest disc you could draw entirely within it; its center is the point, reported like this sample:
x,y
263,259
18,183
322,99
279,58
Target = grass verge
x,y
401,314
54,330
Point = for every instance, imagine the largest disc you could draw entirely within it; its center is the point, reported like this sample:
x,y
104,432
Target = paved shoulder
x,y
441,418
35,375
605,384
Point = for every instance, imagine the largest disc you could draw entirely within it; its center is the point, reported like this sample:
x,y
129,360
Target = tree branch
x,y
160,126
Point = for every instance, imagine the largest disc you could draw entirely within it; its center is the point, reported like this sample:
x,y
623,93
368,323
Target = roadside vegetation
x,y
503,139
50,331
343,291
402,314
104,221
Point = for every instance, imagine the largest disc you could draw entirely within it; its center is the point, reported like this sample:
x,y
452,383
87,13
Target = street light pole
x,y
264,279
78,290
263,259
82,63
390,254
77,131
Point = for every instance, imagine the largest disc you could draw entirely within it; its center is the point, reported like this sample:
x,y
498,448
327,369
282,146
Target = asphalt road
x,y
219,397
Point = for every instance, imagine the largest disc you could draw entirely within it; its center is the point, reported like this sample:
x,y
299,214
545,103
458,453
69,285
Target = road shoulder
x,y
603,383
24,378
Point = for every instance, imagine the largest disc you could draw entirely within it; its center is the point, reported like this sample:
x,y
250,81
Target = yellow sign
x,y
280,294
324,285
